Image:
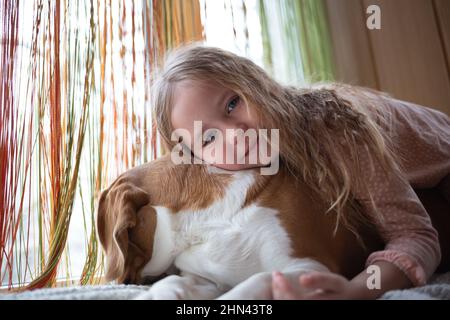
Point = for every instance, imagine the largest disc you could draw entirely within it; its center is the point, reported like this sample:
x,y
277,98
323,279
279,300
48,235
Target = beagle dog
x,y
198,232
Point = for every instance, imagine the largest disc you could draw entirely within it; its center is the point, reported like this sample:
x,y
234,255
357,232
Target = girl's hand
x,y
319,285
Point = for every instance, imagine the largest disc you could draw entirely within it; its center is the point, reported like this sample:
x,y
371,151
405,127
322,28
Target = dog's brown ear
x,y
140,244
125,226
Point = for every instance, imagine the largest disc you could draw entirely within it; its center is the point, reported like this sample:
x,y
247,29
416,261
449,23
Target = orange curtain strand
x,y
75,113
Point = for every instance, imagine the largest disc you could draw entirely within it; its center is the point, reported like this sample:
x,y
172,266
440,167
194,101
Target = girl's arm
x,y
420,137
333,286
409,258
402,222
391,278
412,251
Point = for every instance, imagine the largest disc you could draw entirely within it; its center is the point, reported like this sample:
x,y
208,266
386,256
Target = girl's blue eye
x,y
232,104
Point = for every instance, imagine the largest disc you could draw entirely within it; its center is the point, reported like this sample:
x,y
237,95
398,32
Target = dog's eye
x,y
209,138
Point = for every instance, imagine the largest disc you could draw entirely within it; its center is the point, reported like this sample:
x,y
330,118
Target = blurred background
x,y
76,111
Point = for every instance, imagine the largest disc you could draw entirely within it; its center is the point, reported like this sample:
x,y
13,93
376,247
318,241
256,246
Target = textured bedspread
x,y
438,288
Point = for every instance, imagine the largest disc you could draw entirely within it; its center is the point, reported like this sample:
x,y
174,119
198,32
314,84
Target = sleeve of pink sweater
x,y
422,137
411,242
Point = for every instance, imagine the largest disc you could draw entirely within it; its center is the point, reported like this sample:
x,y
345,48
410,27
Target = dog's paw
x,y
168,288
257,287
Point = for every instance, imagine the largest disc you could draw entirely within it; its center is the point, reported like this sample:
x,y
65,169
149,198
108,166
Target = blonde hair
x,y
322,129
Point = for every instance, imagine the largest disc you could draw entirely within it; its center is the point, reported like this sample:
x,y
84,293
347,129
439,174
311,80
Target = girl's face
x,y
218,109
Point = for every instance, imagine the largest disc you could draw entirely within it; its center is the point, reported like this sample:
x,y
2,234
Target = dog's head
x,y
127,216
126,224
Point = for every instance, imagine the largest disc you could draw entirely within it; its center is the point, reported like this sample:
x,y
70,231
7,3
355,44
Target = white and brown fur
x,y
223,232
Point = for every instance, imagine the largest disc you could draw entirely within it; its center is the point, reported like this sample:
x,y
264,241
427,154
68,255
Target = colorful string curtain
x,y
296,40
75,112
75,108
288,38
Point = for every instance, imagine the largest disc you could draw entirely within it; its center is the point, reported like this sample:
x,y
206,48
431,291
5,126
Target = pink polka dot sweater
x,y
421,137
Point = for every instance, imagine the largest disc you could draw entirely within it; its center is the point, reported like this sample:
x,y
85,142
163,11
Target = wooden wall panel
x,y
409,54
442,12
352,53
409,57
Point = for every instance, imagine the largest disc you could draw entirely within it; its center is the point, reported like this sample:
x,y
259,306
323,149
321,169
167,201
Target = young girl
x,y
351,145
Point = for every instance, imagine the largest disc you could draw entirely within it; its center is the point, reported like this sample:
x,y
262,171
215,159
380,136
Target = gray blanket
x,y
437,288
